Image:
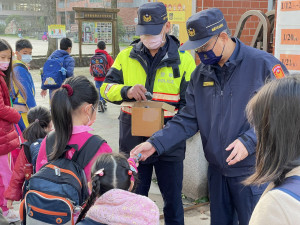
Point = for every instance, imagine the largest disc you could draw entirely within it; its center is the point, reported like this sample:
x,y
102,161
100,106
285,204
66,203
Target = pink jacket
x,y
123,207
79,136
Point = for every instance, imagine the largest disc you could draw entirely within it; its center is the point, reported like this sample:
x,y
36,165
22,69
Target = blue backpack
x,y
59,189
54,73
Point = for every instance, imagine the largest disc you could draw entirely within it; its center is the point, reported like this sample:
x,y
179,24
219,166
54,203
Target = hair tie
x,y
100,172
69,89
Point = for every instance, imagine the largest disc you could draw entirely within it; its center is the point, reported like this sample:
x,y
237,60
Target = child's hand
x,y
9,204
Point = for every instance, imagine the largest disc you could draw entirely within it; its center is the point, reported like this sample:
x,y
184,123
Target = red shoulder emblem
x,y
277,71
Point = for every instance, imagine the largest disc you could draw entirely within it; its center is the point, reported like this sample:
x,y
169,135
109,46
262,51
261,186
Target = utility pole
x,y
114,5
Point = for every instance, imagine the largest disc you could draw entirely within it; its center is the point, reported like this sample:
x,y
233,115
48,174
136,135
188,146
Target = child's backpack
x,y
54,73
291,186
59,188
98,65
31,151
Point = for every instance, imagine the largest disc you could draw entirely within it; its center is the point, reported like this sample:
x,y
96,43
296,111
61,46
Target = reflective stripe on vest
x,y
108,87
165,97
167,114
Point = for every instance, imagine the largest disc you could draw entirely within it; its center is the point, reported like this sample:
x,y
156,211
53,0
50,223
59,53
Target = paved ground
x,y
40,47
107,126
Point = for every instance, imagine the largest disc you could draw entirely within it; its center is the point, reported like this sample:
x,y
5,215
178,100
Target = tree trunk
x,y
51,6
114,5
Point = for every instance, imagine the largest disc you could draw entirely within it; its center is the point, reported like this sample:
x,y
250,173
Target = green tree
x,y
121,29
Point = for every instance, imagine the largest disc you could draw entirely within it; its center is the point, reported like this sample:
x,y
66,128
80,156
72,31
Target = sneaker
x,y
12,216
101,107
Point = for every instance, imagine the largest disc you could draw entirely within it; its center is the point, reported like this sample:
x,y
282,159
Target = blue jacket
x,y
23,75
69,62
218,111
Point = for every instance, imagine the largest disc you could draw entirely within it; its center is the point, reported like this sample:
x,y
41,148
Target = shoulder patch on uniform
x,y
208,83
277,71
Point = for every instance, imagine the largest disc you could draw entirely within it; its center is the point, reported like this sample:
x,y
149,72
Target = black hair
x,y
275,114
62,107
115,168
23,43
65,43
101,45
9,73
39,119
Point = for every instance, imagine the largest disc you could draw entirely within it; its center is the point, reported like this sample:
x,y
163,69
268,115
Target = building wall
x,y
233,10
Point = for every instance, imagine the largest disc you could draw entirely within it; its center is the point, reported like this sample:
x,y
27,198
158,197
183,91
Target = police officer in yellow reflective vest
x,y
153,64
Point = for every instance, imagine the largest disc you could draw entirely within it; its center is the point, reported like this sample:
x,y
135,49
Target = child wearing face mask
x,y
23,57
9,139
73,111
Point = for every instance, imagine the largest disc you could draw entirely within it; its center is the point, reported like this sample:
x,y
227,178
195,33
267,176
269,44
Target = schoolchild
x,y
99,66
40,125
111,201
9,139
68,63
73,111
23,56
275,114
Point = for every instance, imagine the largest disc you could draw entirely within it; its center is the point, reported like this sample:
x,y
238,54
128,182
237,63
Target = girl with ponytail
x,y
111,201
39,119
73,112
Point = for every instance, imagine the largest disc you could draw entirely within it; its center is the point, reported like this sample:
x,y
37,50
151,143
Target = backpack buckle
x,y
57,171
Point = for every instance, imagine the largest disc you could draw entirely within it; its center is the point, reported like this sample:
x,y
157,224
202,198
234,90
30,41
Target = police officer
x,y
153,64
218,92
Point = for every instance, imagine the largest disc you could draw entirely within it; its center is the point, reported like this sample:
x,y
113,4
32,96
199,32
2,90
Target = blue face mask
x,y
26,58
209,57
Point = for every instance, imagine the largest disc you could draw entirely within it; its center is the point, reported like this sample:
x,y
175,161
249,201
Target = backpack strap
x,y
88,150
26,147
50,140
21,65
291,186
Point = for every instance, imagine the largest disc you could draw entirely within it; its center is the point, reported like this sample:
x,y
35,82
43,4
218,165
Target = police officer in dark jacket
x,y
218,92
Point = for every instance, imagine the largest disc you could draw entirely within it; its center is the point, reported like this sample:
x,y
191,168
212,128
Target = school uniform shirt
x,y
276,207
79,136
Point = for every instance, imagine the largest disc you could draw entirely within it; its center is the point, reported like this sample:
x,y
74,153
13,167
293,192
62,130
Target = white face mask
x,y
152,42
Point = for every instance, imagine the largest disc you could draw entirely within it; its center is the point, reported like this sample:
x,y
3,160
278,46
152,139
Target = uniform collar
x,y
16,61
81,129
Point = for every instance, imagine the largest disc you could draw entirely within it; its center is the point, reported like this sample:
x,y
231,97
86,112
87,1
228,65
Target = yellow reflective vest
x,y
168,84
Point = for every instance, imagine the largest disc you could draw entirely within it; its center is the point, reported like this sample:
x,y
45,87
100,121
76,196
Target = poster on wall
x,y
57,31
92,32
178,13
287,38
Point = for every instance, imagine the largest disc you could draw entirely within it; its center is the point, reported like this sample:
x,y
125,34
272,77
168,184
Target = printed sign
x,y
289,5
57,31
287,38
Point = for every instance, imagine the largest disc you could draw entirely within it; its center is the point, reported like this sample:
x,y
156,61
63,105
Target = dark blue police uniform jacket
x,y
218,110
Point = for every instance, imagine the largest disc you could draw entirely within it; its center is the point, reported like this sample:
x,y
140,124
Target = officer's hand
x,y
146,149
43,93
238,153
137,92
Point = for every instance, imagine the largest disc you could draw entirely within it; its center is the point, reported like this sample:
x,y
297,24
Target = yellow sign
x,y
176,16
178,13
57,31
